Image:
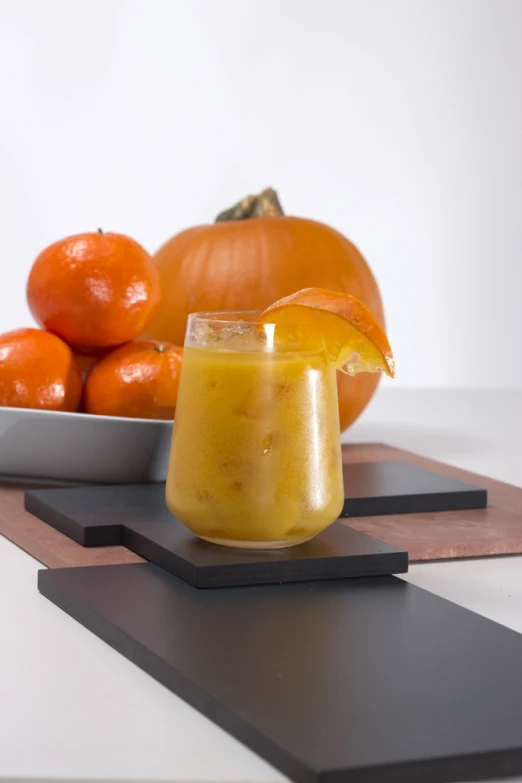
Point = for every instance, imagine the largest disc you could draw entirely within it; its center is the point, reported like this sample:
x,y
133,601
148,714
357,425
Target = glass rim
x,y
214,315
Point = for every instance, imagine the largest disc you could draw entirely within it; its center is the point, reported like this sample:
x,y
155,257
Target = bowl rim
x,y
85,416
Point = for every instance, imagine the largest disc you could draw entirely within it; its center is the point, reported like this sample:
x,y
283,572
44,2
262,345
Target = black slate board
x,y
137,517
380,488
348,681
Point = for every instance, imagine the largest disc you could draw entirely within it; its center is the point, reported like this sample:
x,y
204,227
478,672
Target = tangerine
x,y
138,380
37,370
94,290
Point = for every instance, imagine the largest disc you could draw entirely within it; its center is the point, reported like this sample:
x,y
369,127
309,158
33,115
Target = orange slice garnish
x,y
355,341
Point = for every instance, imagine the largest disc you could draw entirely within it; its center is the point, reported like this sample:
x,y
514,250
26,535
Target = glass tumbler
x,y
256,459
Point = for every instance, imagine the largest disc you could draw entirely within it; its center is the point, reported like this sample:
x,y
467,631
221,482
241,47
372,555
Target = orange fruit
x,y
138,380
94,290
37,370
354,339
86,361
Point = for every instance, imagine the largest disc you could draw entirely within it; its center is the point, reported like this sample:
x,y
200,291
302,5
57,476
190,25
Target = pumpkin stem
x,y
100,231
159,348
265,204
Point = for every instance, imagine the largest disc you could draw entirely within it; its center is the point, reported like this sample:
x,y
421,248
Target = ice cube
x,y
237,329
242,336
204,334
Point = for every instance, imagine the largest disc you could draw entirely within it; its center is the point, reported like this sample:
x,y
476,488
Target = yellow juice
x,y
256,455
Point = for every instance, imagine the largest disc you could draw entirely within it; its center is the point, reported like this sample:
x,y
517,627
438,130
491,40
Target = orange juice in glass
x,y
256,455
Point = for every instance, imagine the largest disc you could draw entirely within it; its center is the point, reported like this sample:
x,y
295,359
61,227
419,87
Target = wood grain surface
x,y
496,530
43,542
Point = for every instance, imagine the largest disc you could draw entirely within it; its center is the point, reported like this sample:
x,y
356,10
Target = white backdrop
x,y
398,122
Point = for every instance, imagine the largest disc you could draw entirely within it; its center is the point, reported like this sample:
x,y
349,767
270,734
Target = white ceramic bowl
x,y
78,447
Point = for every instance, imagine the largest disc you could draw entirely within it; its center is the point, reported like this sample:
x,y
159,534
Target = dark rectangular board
x,y
381,488
344,681
137,517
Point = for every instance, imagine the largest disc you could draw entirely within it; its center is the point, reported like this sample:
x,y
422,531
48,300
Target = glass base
x,y
256,544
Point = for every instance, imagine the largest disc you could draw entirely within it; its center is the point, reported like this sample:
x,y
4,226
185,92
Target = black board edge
x,y
307,571
151,551
493,765
415,504
94,536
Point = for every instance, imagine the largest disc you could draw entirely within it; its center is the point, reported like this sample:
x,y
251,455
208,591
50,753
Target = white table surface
x,y
73,709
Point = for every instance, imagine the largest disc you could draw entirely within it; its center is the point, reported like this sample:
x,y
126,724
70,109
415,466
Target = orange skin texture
x,y
37,370
345,307
85,362
94,290
248,264
138,380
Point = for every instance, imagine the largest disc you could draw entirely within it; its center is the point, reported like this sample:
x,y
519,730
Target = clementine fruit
x,y
37,370
86,361
138,380
94,290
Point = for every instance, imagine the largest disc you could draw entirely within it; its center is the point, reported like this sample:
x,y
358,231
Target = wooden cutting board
x,y
496,530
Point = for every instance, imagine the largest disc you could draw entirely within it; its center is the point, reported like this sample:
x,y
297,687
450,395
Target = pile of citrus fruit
x,y
92,294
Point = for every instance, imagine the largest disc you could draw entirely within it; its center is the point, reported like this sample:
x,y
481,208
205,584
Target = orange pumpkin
x,y
249,258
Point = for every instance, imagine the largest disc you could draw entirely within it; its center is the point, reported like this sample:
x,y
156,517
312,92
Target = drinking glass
x,y
255,460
